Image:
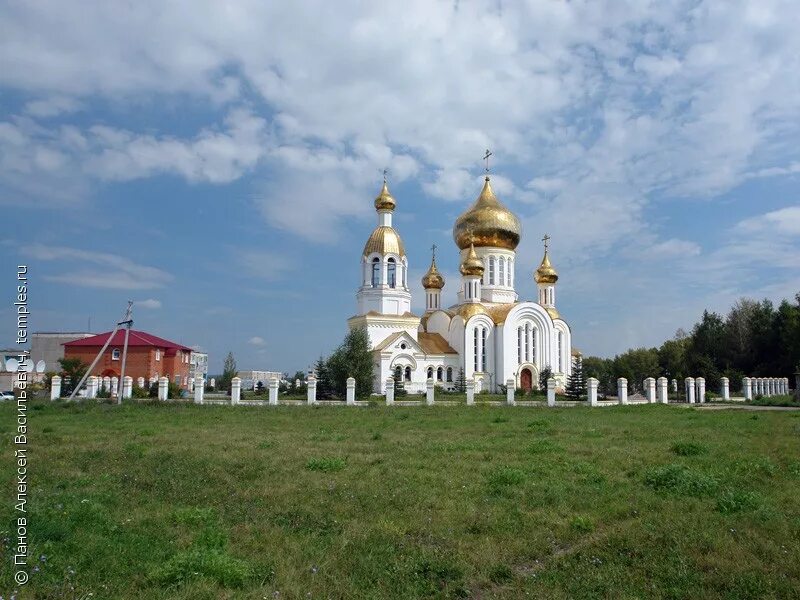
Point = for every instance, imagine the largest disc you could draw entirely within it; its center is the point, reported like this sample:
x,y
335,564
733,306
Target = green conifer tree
x,y
576,382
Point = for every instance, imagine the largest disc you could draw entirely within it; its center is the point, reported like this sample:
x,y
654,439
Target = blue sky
x,y
216,163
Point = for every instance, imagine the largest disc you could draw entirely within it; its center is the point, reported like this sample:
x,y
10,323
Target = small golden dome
x,y
551,310
384,240
545,273
472,265
467,311
433,279
487,223
385,201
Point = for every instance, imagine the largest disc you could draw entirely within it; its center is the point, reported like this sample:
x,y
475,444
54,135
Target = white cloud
x,y
97,269
256,341
150,303
784,221
51,106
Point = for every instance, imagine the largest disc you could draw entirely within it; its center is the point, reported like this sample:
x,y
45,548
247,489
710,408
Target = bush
x,y
688,448
681,480
140,392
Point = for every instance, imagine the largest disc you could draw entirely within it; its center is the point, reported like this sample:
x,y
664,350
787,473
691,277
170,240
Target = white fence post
x,y
127,386
390,391
690,390
725,390
236,390
311,387
199,388
115,386
273,390
163,388
700,382
429,392
351,391
91,386
510,389
55,388
591,388
747,388
650,389
470,383
551,392
139,382
622,390
663,397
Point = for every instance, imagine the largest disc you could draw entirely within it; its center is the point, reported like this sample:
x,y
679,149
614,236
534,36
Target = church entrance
x,y
526,380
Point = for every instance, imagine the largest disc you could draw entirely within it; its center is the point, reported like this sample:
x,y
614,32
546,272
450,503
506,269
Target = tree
x,y
576,382
601,369
72,369
323,375
461,381
294,386
545,374
228,373
353,359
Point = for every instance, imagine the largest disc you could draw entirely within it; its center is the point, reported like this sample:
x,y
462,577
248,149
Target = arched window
x,y
449,373
519,345
391,273
475,340
483,349
405,275
510,272
560,359
439,374
533,344
491,270
408,373
376,272
115,354
430,372
501,271
527,342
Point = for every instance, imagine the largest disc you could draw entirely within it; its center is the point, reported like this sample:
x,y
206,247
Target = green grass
x,y
775,401
179,501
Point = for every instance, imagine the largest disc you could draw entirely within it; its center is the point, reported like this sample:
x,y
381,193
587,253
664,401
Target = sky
x,y
216,162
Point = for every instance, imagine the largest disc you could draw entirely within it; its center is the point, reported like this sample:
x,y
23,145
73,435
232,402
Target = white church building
x,y
490,333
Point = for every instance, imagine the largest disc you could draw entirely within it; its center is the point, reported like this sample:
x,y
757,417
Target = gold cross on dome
x,y
433,250
486,158
385,172
546,239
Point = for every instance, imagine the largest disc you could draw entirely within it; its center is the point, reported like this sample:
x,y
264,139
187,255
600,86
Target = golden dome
x,y
487,223
551,310
385,201
433,279
467,311
472,265
545,273
384,240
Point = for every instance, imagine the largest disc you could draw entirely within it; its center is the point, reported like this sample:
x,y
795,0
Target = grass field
x,y
179,501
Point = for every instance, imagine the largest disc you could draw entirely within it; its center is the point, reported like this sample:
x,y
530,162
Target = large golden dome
x,y
384,240
385,201
487,223
546,273
472,265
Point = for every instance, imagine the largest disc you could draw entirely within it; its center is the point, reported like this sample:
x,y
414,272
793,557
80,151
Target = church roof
x,y
384,240
390,340
499,313
433,343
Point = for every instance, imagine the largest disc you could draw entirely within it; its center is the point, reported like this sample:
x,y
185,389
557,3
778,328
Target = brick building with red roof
x,y
148,356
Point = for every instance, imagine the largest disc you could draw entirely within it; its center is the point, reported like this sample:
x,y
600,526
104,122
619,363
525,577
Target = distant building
x,y
148,356
250,379
198,365
49,346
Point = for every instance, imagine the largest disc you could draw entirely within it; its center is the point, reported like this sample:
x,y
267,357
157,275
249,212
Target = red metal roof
x,y
136,338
